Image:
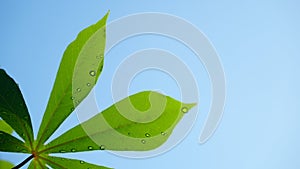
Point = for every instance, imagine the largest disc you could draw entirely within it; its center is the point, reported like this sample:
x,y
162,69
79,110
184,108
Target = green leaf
x,y
65,163
9,143
78,72
37,164
153,118
6,164
13,109
5,127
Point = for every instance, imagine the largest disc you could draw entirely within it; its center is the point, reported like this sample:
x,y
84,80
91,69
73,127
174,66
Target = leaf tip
x,y
189,105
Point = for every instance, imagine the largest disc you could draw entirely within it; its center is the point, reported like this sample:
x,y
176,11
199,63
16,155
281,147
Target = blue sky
x,y
257,41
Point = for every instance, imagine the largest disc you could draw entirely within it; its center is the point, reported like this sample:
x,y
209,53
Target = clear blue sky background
x,y
258,43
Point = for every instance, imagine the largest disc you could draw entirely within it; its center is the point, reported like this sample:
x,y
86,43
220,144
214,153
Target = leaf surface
x,y
153,118
9,143
5,127
6,164
65,163
13,109
78,72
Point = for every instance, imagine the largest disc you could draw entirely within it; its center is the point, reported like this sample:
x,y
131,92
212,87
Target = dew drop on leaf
x,y
102,147
90,147
81,162
62,151
143,141
99,56
147,135
92,73
184,109
163,133
88,84
78,89
73,149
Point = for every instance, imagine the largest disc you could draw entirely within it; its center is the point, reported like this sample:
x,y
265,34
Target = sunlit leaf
x,y
65,163
152,120
78,72
9,143
6,164
5,127
13,109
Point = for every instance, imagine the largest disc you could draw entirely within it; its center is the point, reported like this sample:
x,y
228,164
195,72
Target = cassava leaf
x,y
13,108
78,72
9,143
153,119
5,127
65,163
6,164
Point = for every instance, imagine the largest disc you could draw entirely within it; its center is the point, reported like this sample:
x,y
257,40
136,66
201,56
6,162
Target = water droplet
x,y
92,73
81,162
99,56
78,89
147,135
163,133
72,98
88,84
143,141
62,151
90,148
73,149
184,109
102,147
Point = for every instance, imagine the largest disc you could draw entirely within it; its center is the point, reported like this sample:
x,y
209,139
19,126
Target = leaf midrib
x,y
57,106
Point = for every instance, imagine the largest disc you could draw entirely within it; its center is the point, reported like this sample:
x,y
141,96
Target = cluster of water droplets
x,y
102,147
